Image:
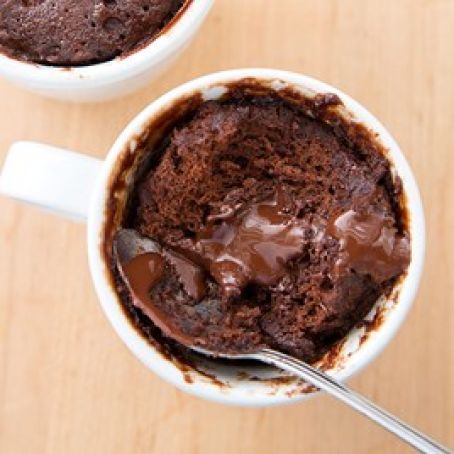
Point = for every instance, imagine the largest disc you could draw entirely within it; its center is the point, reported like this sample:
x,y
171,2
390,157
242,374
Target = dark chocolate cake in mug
x,y
80,32
274,227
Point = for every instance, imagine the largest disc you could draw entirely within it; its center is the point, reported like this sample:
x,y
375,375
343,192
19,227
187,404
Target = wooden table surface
x,y
69,385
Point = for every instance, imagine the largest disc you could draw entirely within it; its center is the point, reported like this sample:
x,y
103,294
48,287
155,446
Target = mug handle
x,y
54,179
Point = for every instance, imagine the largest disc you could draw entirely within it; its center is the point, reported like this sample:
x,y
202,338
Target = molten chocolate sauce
x,y
370,245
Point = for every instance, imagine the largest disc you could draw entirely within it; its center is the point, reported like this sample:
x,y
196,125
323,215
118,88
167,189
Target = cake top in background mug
x,y
80,32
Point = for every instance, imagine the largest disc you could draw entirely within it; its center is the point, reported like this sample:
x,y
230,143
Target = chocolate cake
x,y
79,32
271,228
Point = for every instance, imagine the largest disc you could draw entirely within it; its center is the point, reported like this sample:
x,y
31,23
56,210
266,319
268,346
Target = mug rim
x,y
121,67
143,349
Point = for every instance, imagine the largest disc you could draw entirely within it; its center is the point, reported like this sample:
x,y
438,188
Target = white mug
x,y
78,186
117,77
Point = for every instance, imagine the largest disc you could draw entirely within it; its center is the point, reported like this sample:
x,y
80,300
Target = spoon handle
x,y
354,400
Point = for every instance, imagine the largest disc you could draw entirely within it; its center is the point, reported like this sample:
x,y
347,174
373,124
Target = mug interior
x,y
242,383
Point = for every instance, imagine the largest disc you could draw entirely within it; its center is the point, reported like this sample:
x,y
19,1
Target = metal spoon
x,y
129,244
338,390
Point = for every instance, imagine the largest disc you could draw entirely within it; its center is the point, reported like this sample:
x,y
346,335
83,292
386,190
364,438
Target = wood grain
x,y
67,383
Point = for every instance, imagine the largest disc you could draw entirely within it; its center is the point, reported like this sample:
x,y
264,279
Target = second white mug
x,y
110,79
